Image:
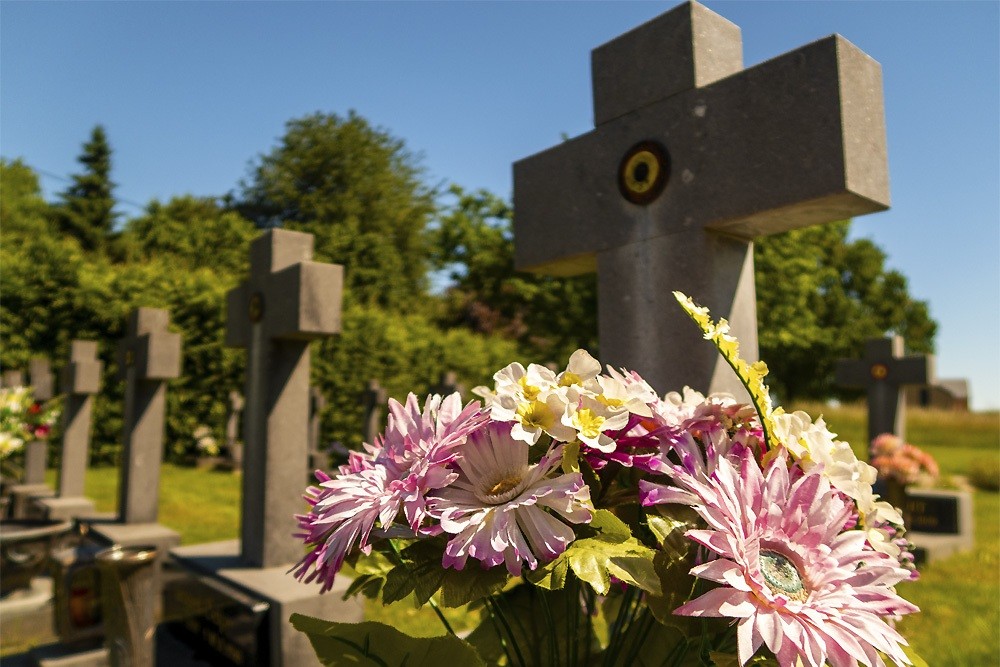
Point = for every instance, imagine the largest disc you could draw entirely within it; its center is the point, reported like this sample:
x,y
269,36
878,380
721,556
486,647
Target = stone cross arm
x,y
795,141
82,375
292,297
149,348
40,374
884,362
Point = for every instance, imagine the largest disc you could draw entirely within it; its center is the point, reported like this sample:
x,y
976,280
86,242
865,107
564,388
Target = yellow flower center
x,y
588,423
504,485
530,391
611,402
535,414
569,378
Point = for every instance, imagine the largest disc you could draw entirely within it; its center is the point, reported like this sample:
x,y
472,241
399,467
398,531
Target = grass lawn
x,y
959,597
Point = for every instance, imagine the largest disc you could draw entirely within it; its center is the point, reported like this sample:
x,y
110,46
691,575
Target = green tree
x,y
819,297
359,191
473,242
87,210
194,231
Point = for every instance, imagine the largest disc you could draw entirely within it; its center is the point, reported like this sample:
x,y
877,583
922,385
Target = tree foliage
x,y
819,297
87,211
360,192
474,243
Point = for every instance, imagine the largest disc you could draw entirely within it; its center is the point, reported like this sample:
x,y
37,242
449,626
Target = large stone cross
x,y
884,372
148,356
287,301
691,158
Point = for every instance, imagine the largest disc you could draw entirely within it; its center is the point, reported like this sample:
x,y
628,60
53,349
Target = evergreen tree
x,y
87,209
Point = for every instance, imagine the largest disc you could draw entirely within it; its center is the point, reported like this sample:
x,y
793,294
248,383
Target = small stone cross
x,y
691,158
883,372
373,401
148,356
36,452
287,301
80,380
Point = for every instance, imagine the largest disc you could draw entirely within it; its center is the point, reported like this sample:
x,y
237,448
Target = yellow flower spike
x,y
751,375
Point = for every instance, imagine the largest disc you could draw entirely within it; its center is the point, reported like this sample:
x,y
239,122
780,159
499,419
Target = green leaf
x,y
460,587
676,586
571,457
380,645
607,549
720,659
911,653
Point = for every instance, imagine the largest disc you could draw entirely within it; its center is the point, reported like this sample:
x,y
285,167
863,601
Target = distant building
x,y
942,395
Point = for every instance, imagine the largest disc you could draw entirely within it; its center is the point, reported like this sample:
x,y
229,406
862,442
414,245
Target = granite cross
x,y
287,301
36,451
373,401
148,356
79,381
318,457
883,372
692,157
12,378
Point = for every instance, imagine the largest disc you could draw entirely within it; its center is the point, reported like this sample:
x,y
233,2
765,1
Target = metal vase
x,y
128,590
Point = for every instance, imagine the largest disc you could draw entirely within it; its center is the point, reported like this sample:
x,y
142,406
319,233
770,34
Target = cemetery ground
x,y
959,597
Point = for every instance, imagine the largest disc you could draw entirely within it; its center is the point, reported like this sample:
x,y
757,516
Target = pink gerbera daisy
x,y
797,581
503,510
398,471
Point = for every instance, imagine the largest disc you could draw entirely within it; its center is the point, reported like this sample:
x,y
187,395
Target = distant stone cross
x,y
233,444
691,158
287,301
373,402
81,379
884,372
148,356
36,452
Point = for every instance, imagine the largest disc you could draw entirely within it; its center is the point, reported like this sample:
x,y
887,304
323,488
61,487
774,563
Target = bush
x,y
984,474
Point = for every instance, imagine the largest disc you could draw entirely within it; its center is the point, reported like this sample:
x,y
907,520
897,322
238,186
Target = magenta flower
x,y
796,580
503,510
410,460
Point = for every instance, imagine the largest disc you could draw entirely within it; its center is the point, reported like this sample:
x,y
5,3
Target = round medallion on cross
x,y
256,307
880,371
643,172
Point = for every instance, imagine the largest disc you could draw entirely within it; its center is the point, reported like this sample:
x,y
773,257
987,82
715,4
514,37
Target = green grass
x,y
959,597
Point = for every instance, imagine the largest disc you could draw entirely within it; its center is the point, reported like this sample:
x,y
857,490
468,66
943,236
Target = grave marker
x,y
691,158
287,301
24,496
373,402
12,378
80,380
884,372
319,459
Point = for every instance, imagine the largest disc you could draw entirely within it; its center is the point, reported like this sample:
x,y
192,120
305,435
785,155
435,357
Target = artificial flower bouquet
x,y
585,520
23,419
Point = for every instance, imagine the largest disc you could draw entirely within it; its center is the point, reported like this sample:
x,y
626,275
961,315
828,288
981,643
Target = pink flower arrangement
x,y
781,539
902,462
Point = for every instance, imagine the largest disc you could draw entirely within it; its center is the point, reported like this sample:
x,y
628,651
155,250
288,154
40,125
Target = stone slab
x,y
136,534
74,507
283,593
938,545
22,498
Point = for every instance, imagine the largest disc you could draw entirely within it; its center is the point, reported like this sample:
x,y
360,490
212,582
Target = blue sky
x,y
191,92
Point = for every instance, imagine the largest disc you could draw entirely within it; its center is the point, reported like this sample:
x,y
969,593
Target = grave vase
x,y
128,588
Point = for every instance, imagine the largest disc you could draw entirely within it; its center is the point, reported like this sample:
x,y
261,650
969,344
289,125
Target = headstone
x,y
12,378
319,459
148,357
447,384
691,158
234,446
287,301
939,522
80,381
884,372
373,402
36,452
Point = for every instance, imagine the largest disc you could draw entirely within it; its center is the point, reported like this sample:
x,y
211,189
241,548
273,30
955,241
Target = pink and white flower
x,y
502,509
799,583
397,473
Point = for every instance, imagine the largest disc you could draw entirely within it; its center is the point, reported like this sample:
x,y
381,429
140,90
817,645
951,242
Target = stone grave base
x,y
941,522
22,505
283,595
60,509
136,534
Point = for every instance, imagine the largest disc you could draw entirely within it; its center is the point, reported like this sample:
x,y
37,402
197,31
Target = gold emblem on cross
x,y
255,311
643,172
880,371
